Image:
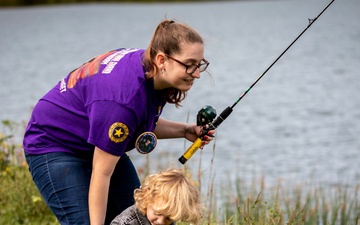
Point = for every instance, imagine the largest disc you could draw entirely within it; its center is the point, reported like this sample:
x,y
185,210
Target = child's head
x,y
171,195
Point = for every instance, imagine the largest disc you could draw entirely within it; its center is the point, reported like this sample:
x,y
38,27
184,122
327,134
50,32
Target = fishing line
x,y
207,113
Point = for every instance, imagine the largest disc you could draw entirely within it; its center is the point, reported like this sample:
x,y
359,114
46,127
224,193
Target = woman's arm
x,y
171,129
102,169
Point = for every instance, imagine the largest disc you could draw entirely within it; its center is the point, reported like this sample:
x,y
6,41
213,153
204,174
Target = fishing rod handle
x,y
198,143
191,151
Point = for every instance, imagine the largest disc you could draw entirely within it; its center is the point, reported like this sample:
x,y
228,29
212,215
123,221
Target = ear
x,y
160,59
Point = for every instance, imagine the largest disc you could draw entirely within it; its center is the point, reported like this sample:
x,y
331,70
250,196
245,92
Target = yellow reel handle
x,y
191,151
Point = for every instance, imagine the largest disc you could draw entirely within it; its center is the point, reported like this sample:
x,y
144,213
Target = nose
x,y
196,73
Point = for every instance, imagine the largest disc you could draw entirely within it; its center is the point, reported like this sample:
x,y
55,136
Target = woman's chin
x,y
187,86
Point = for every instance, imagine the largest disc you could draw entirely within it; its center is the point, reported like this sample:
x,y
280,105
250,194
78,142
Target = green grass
x,y
20,201
235,202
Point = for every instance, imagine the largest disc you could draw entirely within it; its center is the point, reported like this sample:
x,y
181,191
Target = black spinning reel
x,y
205,115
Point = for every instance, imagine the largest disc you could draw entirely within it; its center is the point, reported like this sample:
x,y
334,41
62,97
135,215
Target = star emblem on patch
x,y
118,132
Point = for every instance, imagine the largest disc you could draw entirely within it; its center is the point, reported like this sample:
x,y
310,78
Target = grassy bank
x,y
236,202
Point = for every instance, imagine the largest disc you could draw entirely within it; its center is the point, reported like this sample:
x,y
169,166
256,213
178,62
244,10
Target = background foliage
x,y
238,203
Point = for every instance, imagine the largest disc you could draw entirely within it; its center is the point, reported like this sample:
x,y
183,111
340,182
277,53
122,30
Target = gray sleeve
x,y
127,217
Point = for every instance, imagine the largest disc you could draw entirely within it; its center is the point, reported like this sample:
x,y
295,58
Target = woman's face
x,y
156,218
173,74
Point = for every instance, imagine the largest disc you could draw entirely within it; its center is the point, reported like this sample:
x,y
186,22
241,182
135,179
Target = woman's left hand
x,y
193,132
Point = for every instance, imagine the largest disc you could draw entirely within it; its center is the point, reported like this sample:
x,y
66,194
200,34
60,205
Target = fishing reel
x,y
205,115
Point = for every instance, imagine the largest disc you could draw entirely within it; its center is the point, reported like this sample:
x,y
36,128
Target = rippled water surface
x,y
300,123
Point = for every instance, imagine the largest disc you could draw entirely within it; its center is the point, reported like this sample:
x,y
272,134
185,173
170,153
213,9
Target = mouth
x,y
189,81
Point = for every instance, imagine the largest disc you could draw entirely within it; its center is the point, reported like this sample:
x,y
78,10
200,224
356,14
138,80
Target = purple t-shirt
x,y
107,102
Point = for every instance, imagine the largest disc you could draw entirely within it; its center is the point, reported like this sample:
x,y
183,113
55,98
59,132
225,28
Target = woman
x,y
79,132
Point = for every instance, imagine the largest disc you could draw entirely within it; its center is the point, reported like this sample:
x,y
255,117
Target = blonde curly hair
x,y
172,193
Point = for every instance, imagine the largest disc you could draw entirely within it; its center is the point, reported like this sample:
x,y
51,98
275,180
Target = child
x,y
164,198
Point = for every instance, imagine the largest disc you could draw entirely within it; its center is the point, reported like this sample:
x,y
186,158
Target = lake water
x,y
299,124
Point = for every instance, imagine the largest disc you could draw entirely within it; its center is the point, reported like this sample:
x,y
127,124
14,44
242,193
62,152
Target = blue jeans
x,y
63,180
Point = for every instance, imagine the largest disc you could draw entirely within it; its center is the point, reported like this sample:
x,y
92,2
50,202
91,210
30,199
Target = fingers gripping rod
x,y
213,125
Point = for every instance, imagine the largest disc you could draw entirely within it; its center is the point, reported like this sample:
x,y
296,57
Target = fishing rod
x,y
206,115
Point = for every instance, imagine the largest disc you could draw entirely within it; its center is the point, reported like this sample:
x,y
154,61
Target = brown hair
x,y
173,194
167,38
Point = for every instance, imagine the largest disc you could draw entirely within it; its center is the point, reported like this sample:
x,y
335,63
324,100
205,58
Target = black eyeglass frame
x,y
195,67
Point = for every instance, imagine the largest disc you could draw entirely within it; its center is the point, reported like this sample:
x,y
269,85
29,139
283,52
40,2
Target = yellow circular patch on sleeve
x,y
118,132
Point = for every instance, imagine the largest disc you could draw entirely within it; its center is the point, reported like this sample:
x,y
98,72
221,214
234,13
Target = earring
x,y
162,71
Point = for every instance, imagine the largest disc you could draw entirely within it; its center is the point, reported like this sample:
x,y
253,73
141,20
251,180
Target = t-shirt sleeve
x,y
112,125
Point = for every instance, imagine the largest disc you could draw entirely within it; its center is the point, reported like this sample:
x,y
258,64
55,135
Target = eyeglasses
x,y
190,69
